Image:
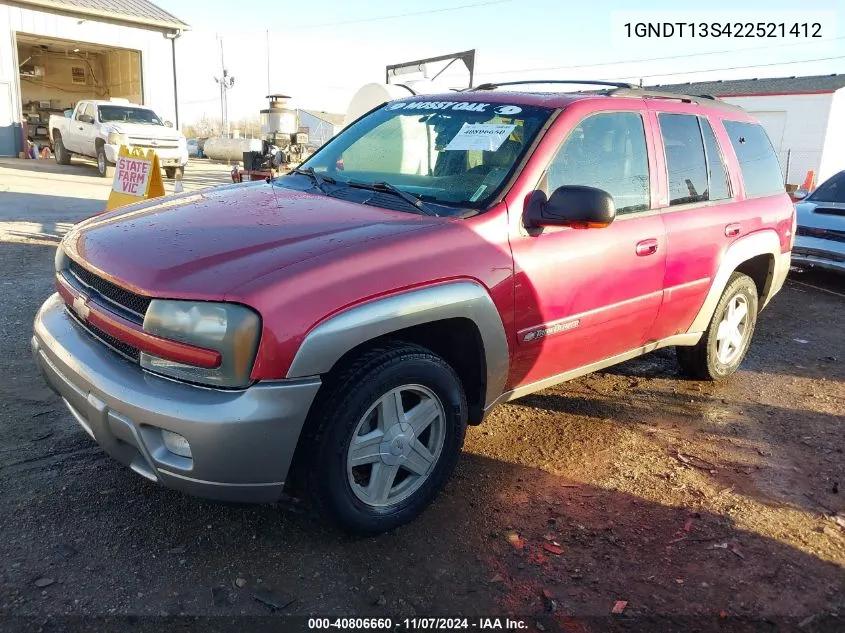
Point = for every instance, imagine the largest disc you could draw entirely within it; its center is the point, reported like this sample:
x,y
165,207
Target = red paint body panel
x,y
592,275
299,258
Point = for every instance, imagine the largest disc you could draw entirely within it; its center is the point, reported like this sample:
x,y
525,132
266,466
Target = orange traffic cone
x,y
809,182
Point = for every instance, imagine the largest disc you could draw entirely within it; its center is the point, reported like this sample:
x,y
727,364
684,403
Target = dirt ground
x,y
701,506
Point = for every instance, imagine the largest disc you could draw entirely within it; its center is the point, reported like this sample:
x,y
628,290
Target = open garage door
x,y
55,74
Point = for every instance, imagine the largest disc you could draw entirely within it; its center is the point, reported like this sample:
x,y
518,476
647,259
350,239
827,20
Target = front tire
x,y
104,168
385,439
724,344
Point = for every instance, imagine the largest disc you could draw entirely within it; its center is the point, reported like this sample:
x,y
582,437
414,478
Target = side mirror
x,y
799,194
572,205
168,123
86,118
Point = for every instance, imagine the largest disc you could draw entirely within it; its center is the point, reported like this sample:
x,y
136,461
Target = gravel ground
x,y
696,504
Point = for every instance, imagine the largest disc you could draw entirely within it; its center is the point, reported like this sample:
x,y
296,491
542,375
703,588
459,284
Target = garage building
x,y
804,117
54,53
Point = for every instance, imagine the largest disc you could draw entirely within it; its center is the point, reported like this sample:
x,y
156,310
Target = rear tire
x,y
61,154
170,172
384,439
725,342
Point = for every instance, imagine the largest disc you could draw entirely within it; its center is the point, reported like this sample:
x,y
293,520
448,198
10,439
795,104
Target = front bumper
x,y
819,253
242,442
170,157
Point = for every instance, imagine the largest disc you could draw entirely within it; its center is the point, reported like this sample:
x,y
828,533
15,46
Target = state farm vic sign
x,y
132,176
137,176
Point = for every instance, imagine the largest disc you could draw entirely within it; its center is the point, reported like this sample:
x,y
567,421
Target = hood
x,y
818,214
207,244
146,130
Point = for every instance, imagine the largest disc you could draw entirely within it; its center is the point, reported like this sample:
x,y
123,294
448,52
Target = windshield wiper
x,y
319,179
386,186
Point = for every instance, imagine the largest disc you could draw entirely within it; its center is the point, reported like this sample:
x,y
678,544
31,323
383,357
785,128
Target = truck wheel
x,y
62,156
725,342
386,438
104,167
170,172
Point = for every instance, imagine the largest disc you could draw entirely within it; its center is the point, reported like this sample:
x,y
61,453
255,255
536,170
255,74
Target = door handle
x,y
733,229
79,128
647,247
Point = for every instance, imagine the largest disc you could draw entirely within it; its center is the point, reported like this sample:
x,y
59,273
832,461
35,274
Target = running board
x,y
524,390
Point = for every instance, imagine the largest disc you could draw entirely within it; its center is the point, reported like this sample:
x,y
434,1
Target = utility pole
x,y
267,34
225,82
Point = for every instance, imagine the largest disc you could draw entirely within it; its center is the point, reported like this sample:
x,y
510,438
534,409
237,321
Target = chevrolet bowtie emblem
x,y
80,306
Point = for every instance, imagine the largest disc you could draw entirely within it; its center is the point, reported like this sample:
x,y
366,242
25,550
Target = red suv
x,y
338,327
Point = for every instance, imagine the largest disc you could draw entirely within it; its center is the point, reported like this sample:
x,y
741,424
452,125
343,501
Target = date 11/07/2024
x,y
418,624
812,30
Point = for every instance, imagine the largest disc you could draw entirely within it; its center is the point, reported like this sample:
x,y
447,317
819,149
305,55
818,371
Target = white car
x,y
98,129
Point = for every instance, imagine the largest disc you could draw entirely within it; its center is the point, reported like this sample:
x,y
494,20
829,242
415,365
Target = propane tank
x,y
371,95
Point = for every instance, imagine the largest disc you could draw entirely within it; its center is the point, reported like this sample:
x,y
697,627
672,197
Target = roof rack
x,y
706,100
585,82
619,89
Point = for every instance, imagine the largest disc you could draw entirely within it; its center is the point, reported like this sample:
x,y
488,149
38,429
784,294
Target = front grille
x,y
132,353
129,301
157,144
824,234
814,252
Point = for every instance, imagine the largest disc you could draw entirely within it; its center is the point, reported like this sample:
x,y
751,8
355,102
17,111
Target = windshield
x,y
831,190
123,114
450,153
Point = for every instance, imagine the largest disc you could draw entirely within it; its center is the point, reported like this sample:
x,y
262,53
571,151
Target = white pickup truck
x,y
98,129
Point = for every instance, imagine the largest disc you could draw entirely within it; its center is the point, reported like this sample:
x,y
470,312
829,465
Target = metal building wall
x,y
155,49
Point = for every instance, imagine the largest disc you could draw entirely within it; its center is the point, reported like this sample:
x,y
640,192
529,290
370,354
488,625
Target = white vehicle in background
x,y
98,128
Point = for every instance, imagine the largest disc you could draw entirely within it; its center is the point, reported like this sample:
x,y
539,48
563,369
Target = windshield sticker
x,y
481,189
484,136
454,105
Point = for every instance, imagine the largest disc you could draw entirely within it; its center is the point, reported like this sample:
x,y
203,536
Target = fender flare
x,y
766,242
324,345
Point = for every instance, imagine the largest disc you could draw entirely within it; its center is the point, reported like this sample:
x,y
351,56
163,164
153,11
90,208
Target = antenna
x,y
225,82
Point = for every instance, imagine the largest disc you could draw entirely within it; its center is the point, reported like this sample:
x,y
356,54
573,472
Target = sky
x,y
320,53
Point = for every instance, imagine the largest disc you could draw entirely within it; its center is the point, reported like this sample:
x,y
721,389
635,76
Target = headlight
x,y
61,260
115,138
229,328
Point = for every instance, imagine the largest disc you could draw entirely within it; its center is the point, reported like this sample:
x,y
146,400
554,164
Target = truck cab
x,y
97,129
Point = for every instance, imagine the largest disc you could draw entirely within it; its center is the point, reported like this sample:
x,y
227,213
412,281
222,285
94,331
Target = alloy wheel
x,y
396,445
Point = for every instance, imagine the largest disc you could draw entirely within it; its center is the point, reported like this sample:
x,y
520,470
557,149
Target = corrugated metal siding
x,y
762,86
796,124
319,130
156,65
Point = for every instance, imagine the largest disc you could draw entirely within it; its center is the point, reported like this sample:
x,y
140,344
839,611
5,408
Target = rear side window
x,y
757,160
715,164
685,160
607,151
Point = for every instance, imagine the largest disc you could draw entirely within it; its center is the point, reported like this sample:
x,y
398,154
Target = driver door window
x,y
607,151
85,137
